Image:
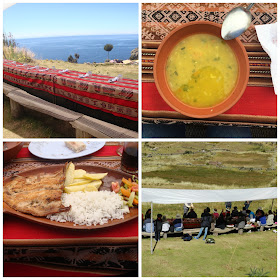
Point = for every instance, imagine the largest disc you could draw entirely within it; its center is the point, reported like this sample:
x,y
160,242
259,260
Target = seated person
x,y
240,222
234,212
178,226
221,222
149,227
165,224
192,214
215,214
251,216
275,216
259,212
270,218
146,221
148,214
263,220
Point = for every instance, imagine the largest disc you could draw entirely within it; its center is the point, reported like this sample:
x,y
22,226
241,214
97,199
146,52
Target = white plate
x,y
58,150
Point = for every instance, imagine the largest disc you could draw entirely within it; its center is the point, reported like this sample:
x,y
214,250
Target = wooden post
x,y
16,109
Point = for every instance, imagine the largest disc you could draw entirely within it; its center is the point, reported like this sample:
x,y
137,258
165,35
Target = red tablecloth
x,y
256,101
17,232
119,98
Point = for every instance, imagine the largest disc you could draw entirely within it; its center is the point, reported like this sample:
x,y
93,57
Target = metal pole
x,y
151,227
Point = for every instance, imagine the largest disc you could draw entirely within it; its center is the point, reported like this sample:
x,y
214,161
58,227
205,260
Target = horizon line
x,y
55,36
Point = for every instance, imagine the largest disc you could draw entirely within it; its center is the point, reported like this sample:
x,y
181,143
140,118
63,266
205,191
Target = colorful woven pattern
x,y
159,19
119,98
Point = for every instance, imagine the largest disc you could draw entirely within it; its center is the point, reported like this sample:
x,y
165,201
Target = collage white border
x,y
140,139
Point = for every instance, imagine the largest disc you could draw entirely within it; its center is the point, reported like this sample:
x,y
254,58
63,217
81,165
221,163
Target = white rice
x,y
91,208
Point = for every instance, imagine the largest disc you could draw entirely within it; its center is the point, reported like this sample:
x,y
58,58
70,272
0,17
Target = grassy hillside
x,y
208,165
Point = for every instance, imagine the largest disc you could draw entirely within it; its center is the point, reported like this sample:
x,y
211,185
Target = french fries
x,y
90,187
80,180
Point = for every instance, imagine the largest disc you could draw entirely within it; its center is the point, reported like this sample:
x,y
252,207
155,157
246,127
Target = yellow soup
x,y
202,70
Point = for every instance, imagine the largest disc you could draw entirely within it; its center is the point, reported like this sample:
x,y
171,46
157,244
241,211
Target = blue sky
x,y
47,20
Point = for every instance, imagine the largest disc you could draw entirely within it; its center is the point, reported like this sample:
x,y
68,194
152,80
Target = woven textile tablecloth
x,y
119,98
49,251
258,104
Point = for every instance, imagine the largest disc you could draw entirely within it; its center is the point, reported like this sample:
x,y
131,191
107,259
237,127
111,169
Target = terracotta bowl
x,y
10,150
167,45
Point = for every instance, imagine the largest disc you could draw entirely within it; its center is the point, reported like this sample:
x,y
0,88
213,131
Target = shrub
x,y
257,272
13,52
134,54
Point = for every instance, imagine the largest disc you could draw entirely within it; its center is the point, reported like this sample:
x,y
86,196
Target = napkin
x,y
63,71
267,35
115,79
84,76
35,67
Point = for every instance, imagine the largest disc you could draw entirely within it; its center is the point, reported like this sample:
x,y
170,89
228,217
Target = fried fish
x,y
38,195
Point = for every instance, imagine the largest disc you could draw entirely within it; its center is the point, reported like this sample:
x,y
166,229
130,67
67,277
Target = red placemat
x,y
256,101
17,228
25,270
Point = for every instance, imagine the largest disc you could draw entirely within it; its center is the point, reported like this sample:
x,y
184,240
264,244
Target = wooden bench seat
x,y
148,234
85,126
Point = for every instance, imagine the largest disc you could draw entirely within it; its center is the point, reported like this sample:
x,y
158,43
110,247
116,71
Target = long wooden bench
x,y
148,234
85,126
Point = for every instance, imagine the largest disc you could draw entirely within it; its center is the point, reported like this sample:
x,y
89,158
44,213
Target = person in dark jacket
x,y
221,222
206,219
178,224
234,212
192,214
158,227
148,214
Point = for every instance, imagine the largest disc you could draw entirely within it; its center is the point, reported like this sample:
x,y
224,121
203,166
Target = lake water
x,y
90,48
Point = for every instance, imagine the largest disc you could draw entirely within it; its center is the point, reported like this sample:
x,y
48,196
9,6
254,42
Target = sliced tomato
x,y
134,187
115,187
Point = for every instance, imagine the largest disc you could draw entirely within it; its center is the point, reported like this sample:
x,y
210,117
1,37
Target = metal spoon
x,y
236,22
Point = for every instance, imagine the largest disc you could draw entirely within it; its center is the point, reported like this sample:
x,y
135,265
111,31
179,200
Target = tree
x,y
71,59
108,48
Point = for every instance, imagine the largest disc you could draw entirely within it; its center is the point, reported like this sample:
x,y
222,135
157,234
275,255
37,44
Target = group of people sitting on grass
x,y
235,218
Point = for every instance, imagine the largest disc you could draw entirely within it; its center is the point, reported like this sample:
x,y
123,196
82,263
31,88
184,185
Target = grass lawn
x,y
233,255
25,127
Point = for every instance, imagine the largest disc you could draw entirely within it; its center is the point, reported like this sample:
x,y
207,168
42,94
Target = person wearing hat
x,y
178,225
187,207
